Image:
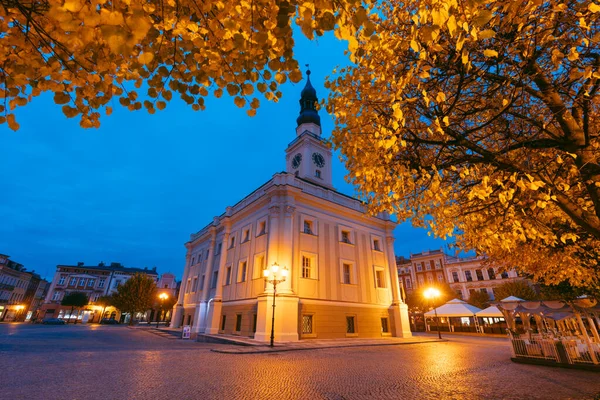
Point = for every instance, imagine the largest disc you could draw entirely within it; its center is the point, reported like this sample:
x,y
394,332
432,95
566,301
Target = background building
x,y
342,276
93,280
21,291
464,274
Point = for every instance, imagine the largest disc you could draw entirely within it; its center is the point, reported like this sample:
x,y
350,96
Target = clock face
x,y
318,159
296,160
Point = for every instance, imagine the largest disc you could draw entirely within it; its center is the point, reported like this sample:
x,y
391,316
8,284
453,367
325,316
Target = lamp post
x,y
274,275
163,296
432,294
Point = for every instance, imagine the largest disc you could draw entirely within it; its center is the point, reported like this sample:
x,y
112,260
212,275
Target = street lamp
x,y
274,275
163,296
432,294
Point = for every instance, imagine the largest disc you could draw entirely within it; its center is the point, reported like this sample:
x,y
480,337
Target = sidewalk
x,y
250,346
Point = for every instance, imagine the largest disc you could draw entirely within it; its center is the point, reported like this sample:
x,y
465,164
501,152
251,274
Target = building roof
x,y
491,311
308,101
116,267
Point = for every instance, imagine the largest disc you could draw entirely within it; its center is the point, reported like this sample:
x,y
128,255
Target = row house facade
x,y
342,278
464,274
93,280
21,291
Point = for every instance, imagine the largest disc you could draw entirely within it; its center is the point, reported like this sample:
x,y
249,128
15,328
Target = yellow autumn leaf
x,y
146,58
490,53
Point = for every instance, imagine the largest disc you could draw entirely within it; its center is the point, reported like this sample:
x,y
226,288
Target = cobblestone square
x,y
116,362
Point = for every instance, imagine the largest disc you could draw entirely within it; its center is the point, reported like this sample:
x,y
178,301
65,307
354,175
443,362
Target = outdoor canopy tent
x,y
490,312
454,308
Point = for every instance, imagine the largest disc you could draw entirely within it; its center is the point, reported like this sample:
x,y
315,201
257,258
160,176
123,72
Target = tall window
x,y
246,235
440,277
346,237
219,247
376,245
491,273
455,277
223,322
56,296
306,267
228,276
91,282
81,282
318,173
259,265
479,274
195,284
347,272
408,283
202,282
468,276
187,285
215,279
62,280
419,268
262,228
101,283
428,265
379,278
72,281
232,242
308,227
243,269
238,322
193,260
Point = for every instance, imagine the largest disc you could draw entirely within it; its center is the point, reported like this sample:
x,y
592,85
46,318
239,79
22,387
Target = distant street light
x,y
163,296
432,294
274,275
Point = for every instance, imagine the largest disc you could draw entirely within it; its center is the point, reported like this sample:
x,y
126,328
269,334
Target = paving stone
x,y
114,362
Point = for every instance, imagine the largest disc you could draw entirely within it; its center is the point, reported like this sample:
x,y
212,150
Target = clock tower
x,y
308,156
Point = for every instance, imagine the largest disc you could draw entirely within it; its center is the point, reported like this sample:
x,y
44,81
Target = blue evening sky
x,y
133,190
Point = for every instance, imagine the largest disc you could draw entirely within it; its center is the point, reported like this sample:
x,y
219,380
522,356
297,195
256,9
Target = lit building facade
x,y
21,291
93,280
469,274
342,276
464,274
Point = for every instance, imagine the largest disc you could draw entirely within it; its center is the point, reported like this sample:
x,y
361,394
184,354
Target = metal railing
x,y
564,351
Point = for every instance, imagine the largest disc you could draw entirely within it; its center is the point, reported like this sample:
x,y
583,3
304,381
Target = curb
x,y
281,350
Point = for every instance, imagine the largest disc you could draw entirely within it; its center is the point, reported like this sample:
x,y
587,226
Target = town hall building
x,y
342,278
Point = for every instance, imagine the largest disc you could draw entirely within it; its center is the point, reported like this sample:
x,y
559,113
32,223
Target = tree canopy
x,y
520,289
75,299
479,120
144,52
137,294
479,299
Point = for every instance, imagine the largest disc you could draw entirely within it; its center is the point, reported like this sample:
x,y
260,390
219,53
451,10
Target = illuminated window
x,y
309,266
259,265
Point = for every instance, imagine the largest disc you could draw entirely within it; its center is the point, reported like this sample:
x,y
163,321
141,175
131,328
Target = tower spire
x,y
308,102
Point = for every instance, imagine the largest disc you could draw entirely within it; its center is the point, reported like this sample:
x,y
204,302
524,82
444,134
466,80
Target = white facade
x,y
342,281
